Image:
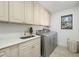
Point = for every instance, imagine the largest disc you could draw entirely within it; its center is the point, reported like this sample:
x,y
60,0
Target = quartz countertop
x,y
12,39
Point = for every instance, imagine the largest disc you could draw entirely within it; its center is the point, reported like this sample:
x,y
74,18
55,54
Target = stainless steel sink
x,y
25,37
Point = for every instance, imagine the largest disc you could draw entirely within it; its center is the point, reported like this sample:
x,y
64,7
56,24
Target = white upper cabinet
x,y
29,12
41,15
3,11
16,11
46,18
24,12
37,14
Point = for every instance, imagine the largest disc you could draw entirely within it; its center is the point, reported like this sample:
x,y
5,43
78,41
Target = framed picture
x,y
66,21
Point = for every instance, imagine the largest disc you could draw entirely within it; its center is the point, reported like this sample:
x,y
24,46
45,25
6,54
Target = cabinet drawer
x,y
4,52
30,42
30,51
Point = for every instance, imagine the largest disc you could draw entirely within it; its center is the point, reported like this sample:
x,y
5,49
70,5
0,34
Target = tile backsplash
x,y
9,28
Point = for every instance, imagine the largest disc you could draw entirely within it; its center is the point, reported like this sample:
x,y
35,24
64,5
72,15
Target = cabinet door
x,y
30,48
3,11
14,51
42,16
37,14
16,11
36,48
4,52
29,12
45,17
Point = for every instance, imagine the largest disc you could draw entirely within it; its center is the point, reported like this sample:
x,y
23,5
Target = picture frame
x,y
66,21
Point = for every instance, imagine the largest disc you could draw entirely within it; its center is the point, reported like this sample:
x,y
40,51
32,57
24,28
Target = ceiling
x,y
55,6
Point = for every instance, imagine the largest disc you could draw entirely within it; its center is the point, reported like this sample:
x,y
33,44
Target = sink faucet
x,y
25,33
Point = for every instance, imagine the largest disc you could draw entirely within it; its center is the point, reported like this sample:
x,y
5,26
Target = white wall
x,y
7,29
64,34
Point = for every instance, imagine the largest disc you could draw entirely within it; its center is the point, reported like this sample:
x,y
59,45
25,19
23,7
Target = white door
x,y
16,11
29,12
3,11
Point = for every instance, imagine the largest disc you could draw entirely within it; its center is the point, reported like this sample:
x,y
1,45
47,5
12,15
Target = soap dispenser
x,y
31,30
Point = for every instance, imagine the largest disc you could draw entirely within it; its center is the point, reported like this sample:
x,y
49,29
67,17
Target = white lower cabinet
x,y
14,51
9,51
41,15
30,48
4,52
